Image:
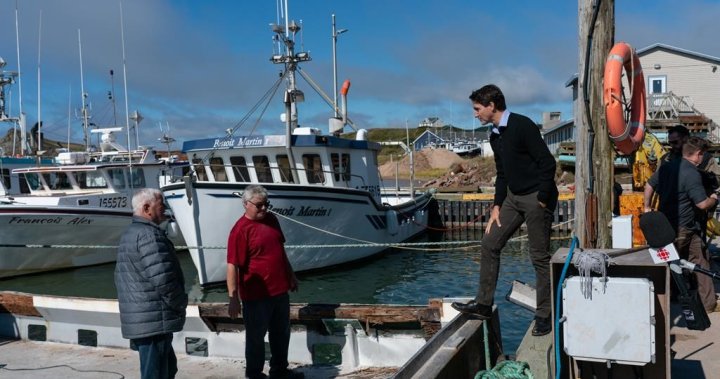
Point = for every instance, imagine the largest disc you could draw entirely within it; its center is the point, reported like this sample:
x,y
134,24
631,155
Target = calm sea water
x,y
399,276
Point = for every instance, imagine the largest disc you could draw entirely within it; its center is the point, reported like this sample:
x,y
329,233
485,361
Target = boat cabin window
x,y
218,169
240,169
341,166
313,168
199,169
90,179
137,177
57,181
117,178
284,167
33,181
262,169
6,178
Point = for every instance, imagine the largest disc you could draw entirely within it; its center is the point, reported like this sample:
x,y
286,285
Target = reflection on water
x,y
399,276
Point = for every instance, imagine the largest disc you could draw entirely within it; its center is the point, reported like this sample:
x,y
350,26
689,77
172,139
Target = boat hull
x,y
37,239
323,227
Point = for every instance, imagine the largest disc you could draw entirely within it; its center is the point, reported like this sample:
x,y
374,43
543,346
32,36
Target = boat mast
x,y
292,95
335,33
21,119
39,113
83,95
127,111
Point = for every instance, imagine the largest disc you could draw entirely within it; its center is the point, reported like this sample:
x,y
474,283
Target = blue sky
x,y
199,66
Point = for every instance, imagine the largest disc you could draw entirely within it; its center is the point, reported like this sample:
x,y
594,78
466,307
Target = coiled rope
x,y
507,370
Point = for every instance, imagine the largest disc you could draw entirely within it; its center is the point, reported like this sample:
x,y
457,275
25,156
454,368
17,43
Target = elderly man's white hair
x,y
254,190
145,196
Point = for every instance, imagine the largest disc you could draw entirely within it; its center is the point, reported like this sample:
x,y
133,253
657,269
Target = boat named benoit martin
x,y
324,189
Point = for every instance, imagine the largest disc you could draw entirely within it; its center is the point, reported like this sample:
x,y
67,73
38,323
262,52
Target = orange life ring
x,y
626,136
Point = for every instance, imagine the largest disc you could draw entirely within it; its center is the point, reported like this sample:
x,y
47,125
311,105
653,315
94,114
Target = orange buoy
x,y
627,136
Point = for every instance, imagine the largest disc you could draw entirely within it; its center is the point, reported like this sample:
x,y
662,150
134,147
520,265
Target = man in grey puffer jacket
x,y
150,287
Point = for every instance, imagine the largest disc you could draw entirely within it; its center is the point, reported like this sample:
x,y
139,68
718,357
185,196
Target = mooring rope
x,y
507,370
588,262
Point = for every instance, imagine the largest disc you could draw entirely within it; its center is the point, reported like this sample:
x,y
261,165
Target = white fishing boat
x,y
324,189
466,148
72,214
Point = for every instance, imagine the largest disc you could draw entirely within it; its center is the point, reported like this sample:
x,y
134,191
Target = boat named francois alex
x,y
72,213
324,189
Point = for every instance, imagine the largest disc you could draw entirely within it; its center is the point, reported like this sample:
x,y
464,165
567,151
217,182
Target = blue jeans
x,y
157,357
271,315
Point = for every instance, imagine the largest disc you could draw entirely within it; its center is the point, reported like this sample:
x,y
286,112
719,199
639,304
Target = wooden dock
x,y
472,211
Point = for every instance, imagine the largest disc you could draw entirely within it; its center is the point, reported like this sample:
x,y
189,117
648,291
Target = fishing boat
x,y
466,148
78,208
324,189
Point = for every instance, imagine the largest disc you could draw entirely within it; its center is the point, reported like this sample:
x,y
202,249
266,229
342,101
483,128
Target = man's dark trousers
x,y
157,357
515,210
271,315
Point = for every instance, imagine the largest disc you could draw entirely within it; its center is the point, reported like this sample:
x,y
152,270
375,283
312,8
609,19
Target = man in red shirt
x,y
259,274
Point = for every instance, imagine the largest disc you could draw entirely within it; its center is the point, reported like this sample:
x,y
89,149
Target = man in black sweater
x,y
525,191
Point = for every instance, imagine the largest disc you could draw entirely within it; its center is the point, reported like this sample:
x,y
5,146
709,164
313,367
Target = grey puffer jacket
x,y
149,281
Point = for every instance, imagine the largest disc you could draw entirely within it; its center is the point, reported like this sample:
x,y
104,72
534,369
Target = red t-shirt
x,y
256,248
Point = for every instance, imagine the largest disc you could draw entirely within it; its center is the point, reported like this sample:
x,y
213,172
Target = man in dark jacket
x,y
150,287
525,192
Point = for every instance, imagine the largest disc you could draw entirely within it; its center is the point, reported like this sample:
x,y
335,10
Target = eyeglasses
x,y
260,205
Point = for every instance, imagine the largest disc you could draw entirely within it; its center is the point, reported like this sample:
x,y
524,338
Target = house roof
x,y
426,133
563,124
677,50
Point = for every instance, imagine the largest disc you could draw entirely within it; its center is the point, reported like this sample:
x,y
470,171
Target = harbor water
x,y
398,276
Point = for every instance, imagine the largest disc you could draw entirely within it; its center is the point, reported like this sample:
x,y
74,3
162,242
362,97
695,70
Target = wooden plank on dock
x,y
18,303
374,313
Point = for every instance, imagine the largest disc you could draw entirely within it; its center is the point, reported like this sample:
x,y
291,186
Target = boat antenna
x,y
23,136
39,101
127,112
83,97
69,111
111,96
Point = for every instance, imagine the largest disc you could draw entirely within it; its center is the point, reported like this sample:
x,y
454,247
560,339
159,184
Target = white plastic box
x,y
622,232
616,323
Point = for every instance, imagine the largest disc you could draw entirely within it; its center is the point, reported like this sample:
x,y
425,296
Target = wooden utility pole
x,y
594,175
